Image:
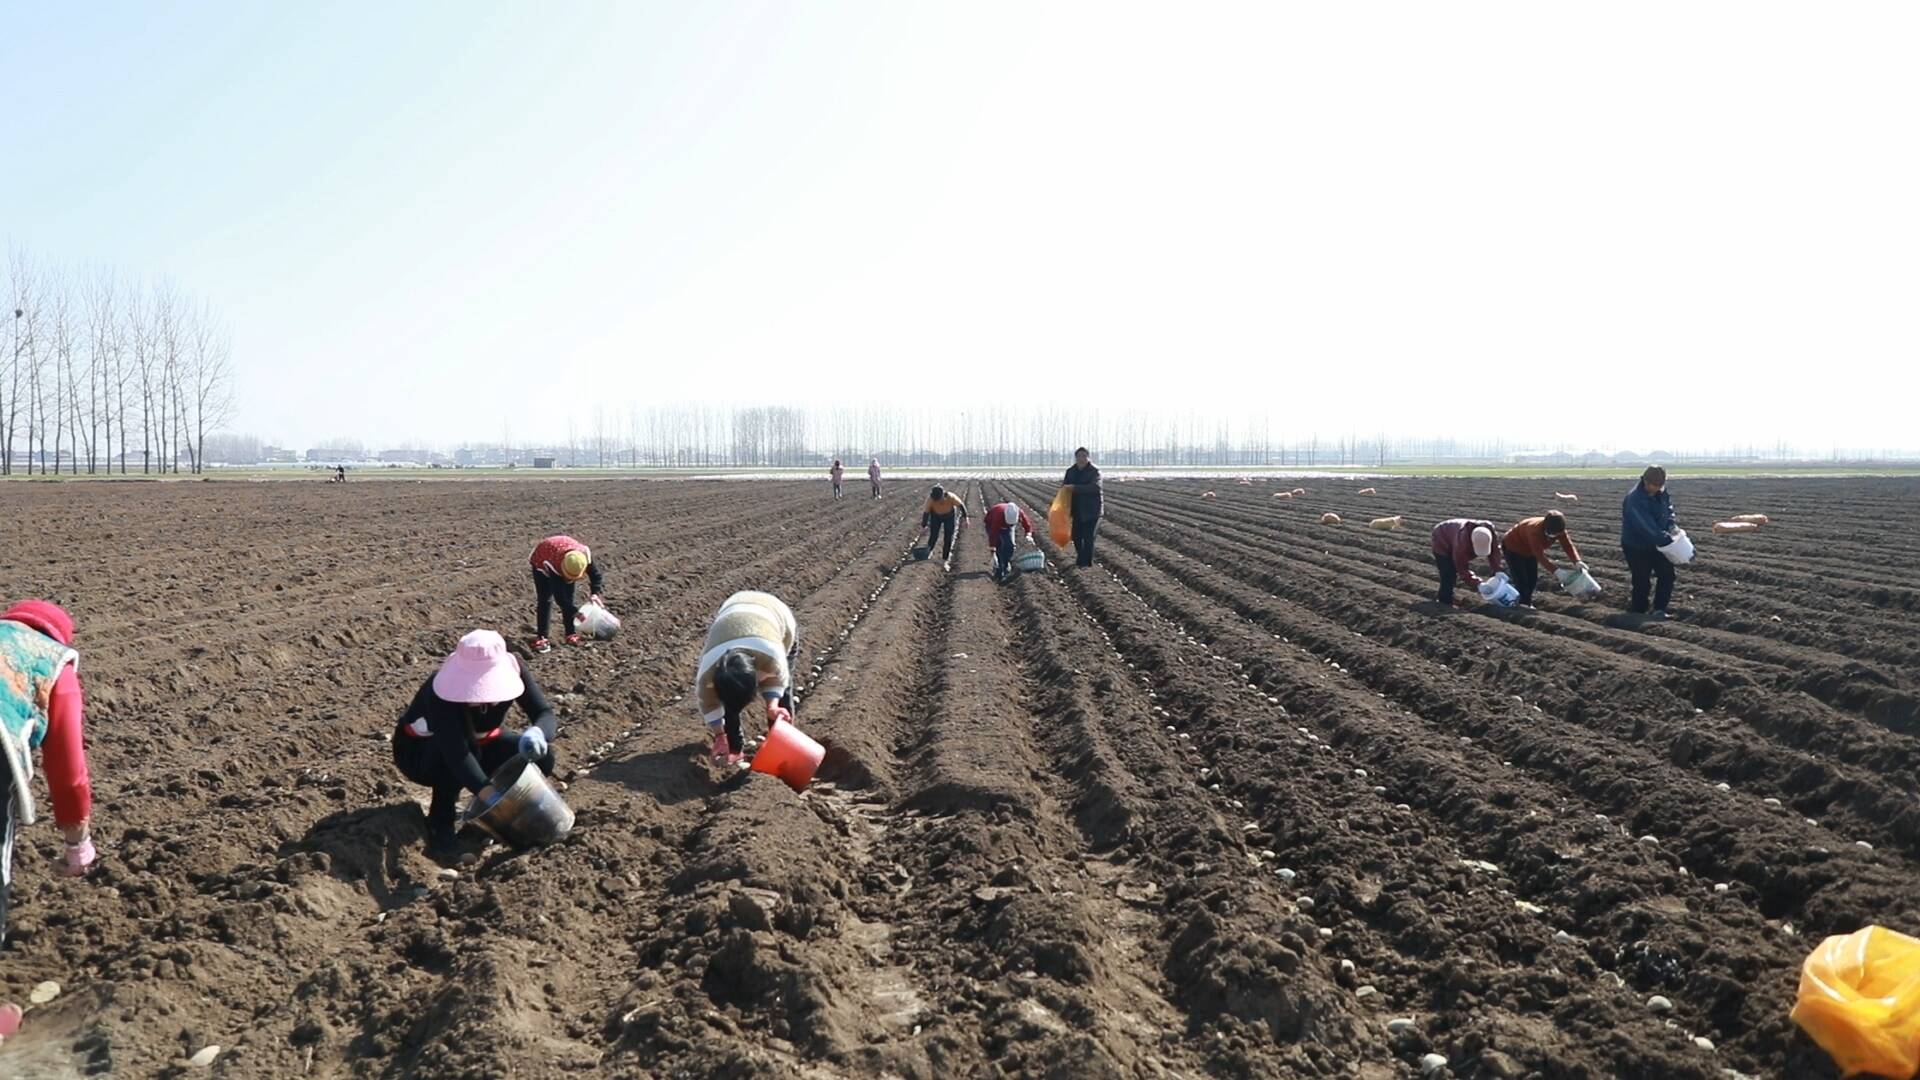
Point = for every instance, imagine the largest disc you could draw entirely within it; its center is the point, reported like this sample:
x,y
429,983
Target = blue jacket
x,y
1645,519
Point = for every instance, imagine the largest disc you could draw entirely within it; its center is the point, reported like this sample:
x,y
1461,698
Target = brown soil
x,y
1048,836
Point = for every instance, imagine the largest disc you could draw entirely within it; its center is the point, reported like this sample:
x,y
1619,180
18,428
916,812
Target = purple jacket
x,y
1454,539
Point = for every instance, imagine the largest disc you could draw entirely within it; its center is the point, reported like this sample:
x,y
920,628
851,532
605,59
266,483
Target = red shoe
x,y
573,639
541,645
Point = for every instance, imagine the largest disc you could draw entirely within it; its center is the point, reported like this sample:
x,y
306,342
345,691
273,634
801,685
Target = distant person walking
x,y
838,474
1526,547
938,519
749,654
873,476
1646,526
1456,543
1084,478
453,736
1004,521
41,708
559,562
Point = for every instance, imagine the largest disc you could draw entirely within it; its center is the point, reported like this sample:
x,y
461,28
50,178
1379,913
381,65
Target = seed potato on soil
x,y
1225,804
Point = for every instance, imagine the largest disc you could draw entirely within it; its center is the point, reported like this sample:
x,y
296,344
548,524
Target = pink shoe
x,y
720,752
733,760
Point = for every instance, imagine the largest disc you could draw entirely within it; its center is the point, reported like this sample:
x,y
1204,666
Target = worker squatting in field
x,y
453,735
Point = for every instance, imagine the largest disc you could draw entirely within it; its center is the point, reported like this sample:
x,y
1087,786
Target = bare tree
x,y
209,382
26,317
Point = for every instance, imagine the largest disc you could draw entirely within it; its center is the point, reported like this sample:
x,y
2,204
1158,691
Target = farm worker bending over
x,y
1456,543
453,737
873,476
1084,478
750,651
1526,547
938,519
1002,522
1646,526
837,474
558,564
41,706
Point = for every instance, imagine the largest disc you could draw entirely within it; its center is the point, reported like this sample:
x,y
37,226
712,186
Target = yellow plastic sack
x,y
1060,517
1860,1000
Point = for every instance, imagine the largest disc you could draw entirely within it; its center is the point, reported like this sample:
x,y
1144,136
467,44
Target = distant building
x,y
543,463
326,453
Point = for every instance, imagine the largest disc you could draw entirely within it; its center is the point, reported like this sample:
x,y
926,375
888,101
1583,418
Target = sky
x,y
1629,225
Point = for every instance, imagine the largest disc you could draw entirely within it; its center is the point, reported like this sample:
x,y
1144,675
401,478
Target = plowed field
x,y
1226,804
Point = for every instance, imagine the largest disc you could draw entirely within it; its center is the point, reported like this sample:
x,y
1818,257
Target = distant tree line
x,y
98,371
705,436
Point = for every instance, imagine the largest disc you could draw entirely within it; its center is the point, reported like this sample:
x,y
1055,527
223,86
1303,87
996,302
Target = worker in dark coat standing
x,y
1084,479
1646,526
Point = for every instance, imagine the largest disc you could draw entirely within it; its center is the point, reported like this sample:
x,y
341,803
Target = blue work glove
x,y
533,743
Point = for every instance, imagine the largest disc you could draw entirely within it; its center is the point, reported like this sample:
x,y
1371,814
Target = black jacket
x,y
1085,483
454,736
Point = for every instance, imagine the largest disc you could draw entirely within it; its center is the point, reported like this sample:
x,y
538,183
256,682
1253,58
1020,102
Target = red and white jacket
x,y
546,557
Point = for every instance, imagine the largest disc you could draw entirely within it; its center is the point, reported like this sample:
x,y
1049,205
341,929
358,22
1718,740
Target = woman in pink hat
x,y
453,737
41,707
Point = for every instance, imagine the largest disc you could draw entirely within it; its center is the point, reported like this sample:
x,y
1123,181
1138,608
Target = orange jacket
x,y
1529,538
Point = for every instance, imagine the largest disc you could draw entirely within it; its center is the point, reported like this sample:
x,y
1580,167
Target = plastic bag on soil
x,y
1860,1000
596,622
1060,517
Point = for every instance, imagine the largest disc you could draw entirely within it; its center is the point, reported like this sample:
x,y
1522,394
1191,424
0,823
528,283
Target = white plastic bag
x,y
1497,590
1680,550
596,622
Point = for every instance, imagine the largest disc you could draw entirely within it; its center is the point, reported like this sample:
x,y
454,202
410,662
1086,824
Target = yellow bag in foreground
x,y
1860,1000
1060,517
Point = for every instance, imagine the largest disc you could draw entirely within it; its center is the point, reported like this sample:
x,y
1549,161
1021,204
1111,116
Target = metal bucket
x,y
526,811
1030,562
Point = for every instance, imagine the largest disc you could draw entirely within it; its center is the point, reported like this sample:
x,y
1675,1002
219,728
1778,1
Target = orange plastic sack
x,y
1860,1000
1060,517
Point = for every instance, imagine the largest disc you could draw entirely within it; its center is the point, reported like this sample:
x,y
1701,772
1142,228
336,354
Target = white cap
x,y
1011,514
1482,541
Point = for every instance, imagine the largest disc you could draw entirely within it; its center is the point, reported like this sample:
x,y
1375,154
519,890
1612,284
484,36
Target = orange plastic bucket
x,y
789,754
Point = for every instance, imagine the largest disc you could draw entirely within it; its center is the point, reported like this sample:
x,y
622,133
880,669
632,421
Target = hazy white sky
x,y
1619,225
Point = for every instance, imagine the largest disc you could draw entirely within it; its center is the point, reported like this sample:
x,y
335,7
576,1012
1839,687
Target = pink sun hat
x,y
480,671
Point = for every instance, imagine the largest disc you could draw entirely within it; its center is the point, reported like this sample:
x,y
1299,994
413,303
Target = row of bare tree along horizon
x,y
102,373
